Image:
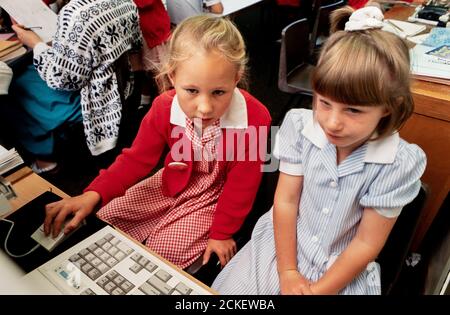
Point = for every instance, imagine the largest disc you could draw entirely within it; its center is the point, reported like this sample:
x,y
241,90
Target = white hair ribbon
x,y
364,19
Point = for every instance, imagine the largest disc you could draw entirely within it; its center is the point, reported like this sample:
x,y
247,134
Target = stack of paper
x,y
9,159
11,49
402,28
7,46
431,62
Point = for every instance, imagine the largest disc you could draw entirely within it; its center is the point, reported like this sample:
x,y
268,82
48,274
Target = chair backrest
x,y
321,19
294,51
392,256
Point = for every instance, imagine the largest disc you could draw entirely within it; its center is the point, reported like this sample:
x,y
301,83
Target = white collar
x,y
235,117
382,151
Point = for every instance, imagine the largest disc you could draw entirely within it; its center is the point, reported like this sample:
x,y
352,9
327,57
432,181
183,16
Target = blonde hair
x,y
207,33
368,68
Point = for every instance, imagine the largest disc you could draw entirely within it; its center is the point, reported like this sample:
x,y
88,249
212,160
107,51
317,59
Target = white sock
x,y
145,99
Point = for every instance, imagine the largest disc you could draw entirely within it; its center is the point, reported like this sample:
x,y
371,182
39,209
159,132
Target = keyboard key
x,y
88,292
107,246
143,261
158,284
136,257
136,268
117,291
163,275
103,281
74,258
95,262
83,252
113,250
92,248
127,286
182,288
119,279
94,274
124,248
108,237
120,255
98,252
103,268
112,274
89,257
101,241
109,287
151,266
86,267
111,262
149,289
105,256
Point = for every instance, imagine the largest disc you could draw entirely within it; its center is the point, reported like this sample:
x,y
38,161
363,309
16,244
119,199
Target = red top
x,y
242,171
154,21
293,3
358,4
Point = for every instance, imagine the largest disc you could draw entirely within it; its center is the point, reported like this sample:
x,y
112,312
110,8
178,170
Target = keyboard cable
x,y
6,241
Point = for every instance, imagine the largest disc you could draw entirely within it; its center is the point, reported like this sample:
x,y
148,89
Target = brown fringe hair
x,y
202,33
366,68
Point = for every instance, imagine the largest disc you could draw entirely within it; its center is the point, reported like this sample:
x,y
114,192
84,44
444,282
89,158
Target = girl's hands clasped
x,y
225,250
293,283
80,206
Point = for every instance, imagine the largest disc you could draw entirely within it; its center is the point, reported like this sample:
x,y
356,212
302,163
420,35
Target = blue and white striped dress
x,y
382,174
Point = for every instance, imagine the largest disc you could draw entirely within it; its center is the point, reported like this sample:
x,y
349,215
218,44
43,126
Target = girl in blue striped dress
x,y
345,174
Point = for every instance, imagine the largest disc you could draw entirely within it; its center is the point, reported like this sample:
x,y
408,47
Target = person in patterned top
x,y
91,35
217,136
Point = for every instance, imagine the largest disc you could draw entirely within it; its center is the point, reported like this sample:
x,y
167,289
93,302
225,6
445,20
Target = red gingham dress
x,y
177,228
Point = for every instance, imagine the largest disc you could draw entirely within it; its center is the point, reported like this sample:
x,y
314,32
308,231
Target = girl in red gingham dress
x,y
216,134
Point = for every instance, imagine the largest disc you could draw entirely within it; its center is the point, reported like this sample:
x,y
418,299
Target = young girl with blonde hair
x,y
195,204
345,174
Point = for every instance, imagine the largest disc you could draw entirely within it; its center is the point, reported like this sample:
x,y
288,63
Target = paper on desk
x,y
402,28
424,63
32,13
418,39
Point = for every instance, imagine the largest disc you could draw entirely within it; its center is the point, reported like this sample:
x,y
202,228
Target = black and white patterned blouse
x,y
91,35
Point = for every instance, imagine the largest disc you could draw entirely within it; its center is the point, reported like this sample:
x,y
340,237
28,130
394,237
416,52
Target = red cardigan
x,y
154,21
243,176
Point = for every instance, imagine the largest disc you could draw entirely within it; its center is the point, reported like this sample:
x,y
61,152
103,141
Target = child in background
x,y
345,174
155,27
81,59
182,9
193,205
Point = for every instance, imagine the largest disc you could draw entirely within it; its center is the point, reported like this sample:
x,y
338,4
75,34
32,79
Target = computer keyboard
x,y
107,262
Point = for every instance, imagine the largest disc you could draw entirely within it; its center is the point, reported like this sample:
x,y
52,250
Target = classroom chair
x,y
394,253
320,24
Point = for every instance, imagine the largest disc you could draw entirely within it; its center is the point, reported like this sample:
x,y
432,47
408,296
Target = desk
x,y
429,127
28,186
232,6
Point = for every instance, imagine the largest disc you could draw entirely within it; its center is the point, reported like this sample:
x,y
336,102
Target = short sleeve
x,y
209,3
288,143
398,183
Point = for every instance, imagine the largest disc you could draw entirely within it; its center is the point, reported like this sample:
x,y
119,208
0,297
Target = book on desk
x,y
431,64
10,49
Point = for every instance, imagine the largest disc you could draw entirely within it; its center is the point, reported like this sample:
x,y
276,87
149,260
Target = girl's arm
x,y
285,211
370,238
